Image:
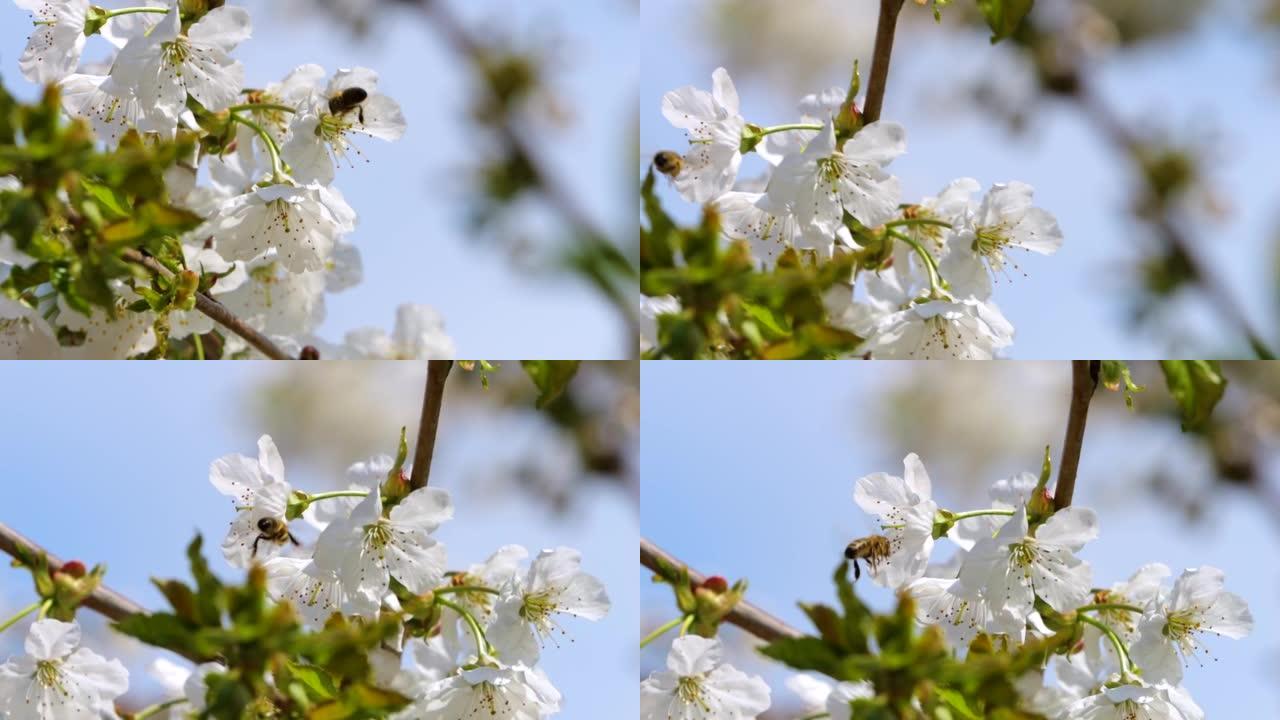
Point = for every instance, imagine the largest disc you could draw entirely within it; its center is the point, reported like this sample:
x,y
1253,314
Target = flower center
x,y
377,536
1022,554
49,675
1179,626
537,608
689,690
831,170
991,241
176,53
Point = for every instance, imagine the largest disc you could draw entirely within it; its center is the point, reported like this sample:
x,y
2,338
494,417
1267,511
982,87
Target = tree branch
x,y
885,30
103,600
216,311
1084,381
432,401
746,616
585,229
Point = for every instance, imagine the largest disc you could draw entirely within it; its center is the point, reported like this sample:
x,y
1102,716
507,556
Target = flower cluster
x,y
927,268
272,242
1016,572
376,554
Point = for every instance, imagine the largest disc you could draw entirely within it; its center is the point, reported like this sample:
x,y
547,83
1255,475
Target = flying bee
x,y
350,99
872,548
668,163
274,530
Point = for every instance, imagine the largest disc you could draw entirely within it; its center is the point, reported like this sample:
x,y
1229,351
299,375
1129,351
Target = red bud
x,y
716,584
74,568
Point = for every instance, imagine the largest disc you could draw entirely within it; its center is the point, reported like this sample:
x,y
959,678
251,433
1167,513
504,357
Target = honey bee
x,y
872,548
668,163
348,100
274,530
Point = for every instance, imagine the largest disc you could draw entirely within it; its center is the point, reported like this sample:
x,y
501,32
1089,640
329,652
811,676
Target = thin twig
x,y
432,401
103,600
745,615
586,229
880,55
216,311
1084,381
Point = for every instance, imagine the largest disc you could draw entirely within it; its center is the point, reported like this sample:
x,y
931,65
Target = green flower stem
x,y
662,630
786,128
906,222
978,513
131,10
157,709
935,278
277,165
44,609
684,626
261,107
816,716
1111,606
1125,663
482,643
465,589
199,346
337,494
21,614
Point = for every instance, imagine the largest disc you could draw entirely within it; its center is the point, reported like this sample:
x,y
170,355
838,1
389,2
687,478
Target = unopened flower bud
x,y
715,583
74,568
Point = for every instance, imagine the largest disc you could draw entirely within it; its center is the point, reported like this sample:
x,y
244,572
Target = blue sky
x,y
1076,299
109,462
411,196
749,471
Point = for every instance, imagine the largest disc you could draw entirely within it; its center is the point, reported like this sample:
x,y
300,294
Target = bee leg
x,y
294,540
857,571
255,546
360,114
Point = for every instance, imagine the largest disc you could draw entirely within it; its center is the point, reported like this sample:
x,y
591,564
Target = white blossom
x,y
905,509
504,692
367,548
260,493
1136,702
1006,219
24,334
419,334
819,696
898,326
166,64
111,108
59,680
54,48
714,126
1171,634
320,135
555,585
302,223
822,183
1015,566
699,685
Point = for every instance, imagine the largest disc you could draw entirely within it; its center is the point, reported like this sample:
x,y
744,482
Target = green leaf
x,y
551,377
1197,386
805,653
1004,16
956,702
317,682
